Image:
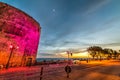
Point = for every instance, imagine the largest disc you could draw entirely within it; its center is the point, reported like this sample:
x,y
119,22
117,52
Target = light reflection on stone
x,y
20,30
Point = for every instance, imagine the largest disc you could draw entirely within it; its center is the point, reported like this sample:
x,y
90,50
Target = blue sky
x,y
73,24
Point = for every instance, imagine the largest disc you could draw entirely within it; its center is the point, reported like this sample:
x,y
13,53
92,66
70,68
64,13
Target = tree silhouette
x,y
95,51
116,54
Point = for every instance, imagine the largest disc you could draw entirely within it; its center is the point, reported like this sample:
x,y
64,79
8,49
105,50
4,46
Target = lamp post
x,y
68,52
88,58
68,55
11,48
23,59
68,68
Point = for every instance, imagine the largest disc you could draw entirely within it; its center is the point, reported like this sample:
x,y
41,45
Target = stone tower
x,y
19,37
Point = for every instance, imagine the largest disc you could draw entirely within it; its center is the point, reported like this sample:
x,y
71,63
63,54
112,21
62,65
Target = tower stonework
x,y
19,37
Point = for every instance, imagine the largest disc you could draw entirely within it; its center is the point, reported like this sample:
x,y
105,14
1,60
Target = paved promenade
x,y
94,70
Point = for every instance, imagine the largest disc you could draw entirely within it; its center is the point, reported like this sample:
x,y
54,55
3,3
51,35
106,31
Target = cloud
x,y
111,44
65,29
46,54
95,5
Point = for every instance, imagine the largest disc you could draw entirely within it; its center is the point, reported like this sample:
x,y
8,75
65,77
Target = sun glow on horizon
x,y
80,55
75,55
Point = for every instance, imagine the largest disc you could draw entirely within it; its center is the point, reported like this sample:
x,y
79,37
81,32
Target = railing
x,y
30,73
22,75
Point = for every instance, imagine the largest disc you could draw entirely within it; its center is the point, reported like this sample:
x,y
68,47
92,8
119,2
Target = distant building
x,y
19,37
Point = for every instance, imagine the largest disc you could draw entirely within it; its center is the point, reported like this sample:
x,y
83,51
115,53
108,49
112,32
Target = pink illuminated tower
x,y
19,37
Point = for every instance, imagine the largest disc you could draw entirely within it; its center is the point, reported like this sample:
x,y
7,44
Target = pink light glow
x,y
20,30
11,46
17,47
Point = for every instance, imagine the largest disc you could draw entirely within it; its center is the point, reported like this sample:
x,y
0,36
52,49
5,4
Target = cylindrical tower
x,y
19,37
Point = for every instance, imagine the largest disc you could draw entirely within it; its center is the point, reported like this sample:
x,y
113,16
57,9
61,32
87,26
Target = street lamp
x,y
68,52
88,58
11,48
23,59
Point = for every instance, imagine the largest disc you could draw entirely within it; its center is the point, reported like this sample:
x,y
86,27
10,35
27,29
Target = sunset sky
x,y
73,24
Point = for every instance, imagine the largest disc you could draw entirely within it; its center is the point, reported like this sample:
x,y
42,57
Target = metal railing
x,y
23,75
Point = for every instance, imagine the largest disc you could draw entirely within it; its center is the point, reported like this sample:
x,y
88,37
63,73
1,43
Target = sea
x,y
56,59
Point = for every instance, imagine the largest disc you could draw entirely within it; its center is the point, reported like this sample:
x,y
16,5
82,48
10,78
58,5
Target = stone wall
x,y
19,30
